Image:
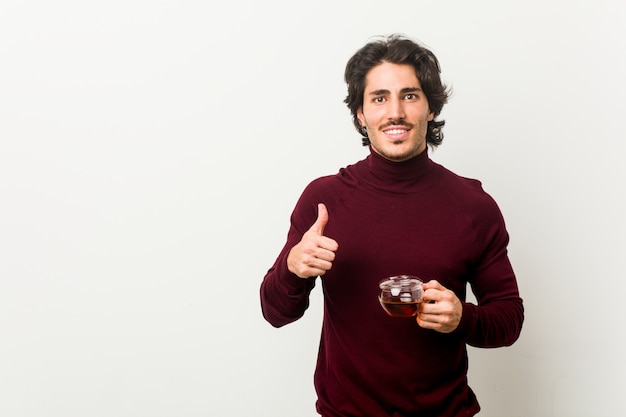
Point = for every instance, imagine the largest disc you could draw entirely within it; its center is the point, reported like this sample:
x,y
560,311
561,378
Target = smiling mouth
x,y
396,134
393,132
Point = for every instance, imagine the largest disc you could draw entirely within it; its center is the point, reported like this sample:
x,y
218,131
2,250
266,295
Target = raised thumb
x,y
322,219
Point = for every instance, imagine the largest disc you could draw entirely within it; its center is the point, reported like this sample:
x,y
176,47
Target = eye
x,y
411,96
379,99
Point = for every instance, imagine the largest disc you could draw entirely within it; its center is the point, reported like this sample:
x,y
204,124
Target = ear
x,y
359,115
431,116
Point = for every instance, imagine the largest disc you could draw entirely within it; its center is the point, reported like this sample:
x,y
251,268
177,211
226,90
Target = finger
x,y
322,219
423,322
432,295
329,244
429,321
326,254
314,266
321,266
433,284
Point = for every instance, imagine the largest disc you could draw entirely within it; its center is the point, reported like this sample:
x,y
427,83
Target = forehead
x,y
391,77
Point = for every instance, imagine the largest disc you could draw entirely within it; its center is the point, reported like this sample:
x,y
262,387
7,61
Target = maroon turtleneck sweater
x,y
418,218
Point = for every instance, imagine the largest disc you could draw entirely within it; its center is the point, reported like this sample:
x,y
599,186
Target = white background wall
x,y
152,151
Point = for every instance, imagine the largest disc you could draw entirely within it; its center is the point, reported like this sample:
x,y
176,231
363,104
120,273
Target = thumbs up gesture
x,y
315,253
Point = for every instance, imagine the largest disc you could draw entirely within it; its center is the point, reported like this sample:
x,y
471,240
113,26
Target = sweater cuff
x,y
467,325
293,283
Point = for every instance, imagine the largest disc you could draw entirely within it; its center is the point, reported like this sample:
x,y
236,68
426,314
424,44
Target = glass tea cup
x,y
401,295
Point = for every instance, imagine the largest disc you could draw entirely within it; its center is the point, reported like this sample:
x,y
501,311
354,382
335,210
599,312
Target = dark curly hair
x,y
397,49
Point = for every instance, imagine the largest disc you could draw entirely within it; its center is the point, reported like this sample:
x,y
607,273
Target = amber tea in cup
x,y
401,295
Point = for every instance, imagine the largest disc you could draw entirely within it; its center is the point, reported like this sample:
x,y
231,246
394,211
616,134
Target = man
x,y
396,212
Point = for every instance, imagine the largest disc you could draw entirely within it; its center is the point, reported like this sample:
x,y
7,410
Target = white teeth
x,y
395,131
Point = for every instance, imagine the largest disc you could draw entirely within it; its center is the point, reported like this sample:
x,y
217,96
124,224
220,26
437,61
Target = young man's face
x,y
395,111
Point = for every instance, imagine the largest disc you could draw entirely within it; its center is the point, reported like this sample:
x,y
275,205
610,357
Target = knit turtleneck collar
x,y
409,170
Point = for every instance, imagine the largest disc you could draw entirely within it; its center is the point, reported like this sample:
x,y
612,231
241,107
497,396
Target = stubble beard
x,y
398,156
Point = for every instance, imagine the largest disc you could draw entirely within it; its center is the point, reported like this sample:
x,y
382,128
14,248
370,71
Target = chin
x,y
397,152
400,156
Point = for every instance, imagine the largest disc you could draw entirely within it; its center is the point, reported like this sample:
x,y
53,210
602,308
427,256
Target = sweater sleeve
x,y
497,318
284,295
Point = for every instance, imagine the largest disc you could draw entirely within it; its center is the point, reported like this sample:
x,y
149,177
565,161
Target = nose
x,y
396,109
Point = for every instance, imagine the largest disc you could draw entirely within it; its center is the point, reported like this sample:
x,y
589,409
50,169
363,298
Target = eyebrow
x,y
403,91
